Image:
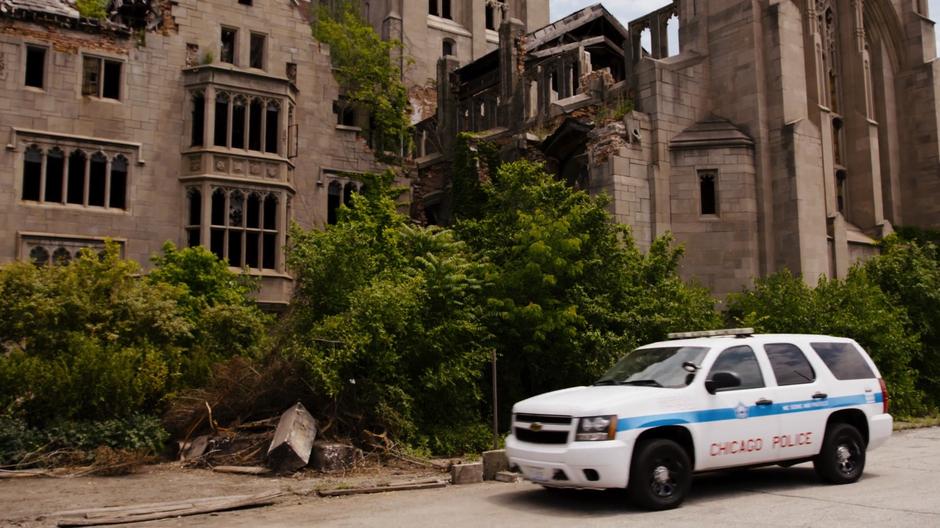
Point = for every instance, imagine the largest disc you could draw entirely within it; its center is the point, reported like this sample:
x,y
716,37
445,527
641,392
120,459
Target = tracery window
x,y
244,226
99,179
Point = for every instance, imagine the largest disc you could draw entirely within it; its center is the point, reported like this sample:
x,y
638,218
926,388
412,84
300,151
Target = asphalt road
x,y
900,487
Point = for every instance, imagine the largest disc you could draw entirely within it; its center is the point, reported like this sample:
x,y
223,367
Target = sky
x,y
627,10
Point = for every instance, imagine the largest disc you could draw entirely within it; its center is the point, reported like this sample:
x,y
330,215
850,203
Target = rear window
x,y
789,364
844,360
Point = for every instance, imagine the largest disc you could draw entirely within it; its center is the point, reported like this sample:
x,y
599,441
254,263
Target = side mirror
x,y
722,380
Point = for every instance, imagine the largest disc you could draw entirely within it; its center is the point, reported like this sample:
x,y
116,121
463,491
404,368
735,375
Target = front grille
x,y
543,418
541,437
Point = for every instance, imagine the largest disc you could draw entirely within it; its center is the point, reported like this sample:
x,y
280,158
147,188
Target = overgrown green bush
x,y
92,8
571,292
93,340
855,307
386,318
20,442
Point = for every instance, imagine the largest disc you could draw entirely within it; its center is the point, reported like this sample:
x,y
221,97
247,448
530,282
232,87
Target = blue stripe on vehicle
x,y
753,411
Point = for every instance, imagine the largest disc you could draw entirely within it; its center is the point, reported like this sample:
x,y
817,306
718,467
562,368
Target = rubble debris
x,y
194,449
163,510
242,470
333,456
466,473
507,476
494,462
293,440
425,484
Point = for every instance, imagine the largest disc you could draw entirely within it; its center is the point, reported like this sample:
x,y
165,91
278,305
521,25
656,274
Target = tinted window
x,y
741,361
844,360
789,364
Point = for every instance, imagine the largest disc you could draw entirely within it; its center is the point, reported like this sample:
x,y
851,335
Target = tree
x,y
855,307
386,319
571,293
366,72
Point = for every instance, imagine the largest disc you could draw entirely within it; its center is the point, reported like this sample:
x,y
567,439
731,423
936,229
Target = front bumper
x,y
597,465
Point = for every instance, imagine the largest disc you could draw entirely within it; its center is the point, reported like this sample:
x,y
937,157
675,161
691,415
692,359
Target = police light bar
x,y
737,332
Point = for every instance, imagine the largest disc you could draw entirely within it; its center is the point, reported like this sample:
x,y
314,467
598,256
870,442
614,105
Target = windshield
x,y
656,367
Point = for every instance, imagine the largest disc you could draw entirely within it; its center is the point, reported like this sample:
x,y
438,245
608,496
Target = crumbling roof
x,y
712,131
55,8
574,22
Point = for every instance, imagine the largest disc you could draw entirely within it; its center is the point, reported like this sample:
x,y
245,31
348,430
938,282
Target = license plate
x,y
537,474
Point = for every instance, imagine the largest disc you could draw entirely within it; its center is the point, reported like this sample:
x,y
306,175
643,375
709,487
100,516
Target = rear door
x,y
801,401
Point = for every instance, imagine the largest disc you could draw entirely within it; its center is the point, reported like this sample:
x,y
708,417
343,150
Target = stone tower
x,y
430,29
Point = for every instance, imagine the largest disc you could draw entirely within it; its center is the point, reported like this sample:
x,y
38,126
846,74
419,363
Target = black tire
x,y
660,475
842,457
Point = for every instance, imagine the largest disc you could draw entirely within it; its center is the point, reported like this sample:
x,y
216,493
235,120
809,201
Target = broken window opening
x,y
432,7
199,119
117,197
333,200
255,110
61,257
840,191
445,9
672,35
35,66
257,51
39,256
646,42
229,43
448,47
239,114
708,192
55,175
32,173
195,217
218,208
75,190
236,218
221,120
101,78
271,128
97,175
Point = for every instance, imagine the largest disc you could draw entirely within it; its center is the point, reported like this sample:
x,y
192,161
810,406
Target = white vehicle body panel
x,y
743,427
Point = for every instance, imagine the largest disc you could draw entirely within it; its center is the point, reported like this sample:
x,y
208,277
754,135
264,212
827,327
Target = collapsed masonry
x,y
770,140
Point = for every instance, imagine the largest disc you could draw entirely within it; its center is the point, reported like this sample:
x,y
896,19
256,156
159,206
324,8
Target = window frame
x,y
44,73
264,50
700,178
773,366
102,61
760,370
85,154
235,35
220,223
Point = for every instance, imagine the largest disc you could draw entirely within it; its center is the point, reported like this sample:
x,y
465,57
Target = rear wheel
x,y
842,457
660,475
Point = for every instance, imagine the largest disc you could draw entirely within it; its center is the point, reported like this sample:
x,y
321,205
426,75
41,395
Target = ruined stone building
x,y
205,122
779,134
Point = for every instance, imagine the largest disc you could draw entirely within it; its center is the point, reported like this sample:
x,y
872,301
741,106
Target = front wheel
x,y
842,457
660,475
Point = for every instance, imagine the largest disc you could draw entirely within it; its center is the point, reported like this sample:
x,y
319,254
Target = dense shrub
x,y
855,307
571,292
909,273
92,340
386,320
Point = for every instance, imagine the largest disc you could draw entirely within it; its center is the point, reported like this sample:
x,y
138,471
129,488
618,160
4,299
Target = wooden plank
x,y
152,505
382,489
242,470
252,501
23,473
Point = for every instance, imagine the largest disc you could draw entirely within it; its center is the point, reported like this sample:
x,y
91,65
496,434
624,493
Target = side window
x,y
790,365
844,360
742,361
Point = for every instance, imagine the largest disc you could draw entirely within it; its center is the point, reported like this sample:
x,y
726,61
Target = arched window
x,y
269,241
348,191
255,110
32,173
97,176
217,231
272,127
199,118
61,257
239,114
55,175
220,138
39,256
194,220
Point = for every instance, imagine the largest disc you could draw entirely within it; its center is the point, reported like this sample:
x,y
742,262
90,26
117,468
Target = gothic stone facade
x,y
781,134
203,122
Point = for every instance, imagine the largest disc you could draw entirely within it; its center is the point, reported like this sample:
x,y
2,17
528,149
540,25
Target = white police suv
x,y
704,401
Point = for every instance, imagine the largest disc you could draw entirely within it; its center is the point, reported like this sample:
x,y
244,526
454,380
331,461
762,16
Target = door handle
x,y
764,401
820,396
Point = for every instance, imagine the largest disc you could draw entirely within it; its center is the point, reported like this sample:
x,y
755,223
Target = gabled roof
x,y
710,132
594,20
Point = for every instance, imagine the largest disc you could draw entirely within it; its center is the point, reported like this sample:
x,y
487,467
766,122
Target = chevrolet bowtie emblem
x,y
536,426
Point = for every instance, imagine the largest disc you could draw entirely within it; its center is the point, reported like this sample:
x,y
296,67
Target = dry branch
x,y
428,484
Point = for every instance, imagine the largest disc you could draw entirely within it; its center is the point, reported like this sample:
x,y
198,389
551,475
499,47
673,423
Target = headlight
x,y
593,428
